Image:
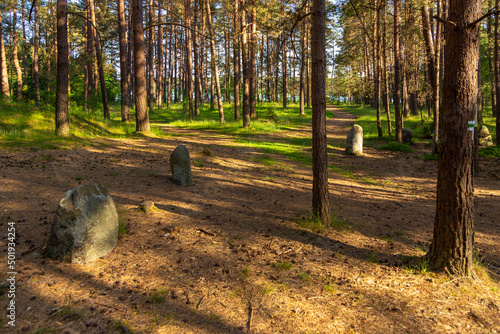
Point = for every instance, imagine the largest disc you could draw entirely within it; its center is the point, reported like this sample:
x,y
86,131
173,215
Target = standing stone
x,y
180,164
85,226
485,138
407,136
354,142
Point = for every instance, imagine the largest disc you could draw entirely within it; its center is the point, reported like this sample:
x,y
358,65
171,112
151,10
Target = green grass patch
x,y
430,157
317,225
282,266
159,295
490,152
396,147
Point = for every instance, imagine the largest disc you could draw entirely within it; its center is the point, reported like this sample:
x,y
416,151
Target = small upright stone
x,y
354,142
407,136
85,226
485,138
180,164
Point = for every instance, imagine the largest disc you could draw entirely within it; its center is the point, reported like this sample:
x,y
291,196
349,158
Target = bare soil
x,y
228,255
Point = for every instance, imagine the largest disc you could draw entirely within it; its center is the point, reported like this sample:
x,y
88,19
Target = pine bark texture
x,y
453,239
122,32
215,69
62,117
321,198
397,76
141,103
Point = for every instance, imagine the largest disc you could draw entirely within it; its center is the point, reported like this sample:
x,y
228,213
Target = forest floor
x,y
233,253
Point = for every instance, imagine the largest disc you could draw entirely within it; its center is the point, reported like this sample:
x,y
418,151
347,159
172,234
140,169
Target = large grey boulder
x,y
85,226
354,142
484,136
407,135
180,165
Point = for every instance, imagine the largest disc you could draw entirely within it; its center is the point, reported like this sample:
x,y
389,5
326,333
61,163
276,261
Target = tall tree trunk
x,y
15,42
141,103
4,73
189,59
497,72
302,67
432,63
197,69
246,69
102,80
215,70
491,66
377,66
386,75
283,60
397,75
321,197
122,32
253,70
236,61
62,116
89,52
453,239
36,65
150,61
159,56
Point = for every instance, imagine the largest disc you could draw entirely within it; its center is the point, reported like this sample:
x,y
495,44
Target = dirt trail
x,y
228,255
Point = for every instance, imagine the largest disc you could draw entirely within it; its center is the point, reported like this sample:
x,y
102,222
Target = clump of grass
x,y
329,114
78,178
206,151
266,289
490,152
67,313
372,257
124,326
329,288
305,277
122,223
159,295
200,163
245,273
396,147
319,226
146,172
282,266
415,264
430,157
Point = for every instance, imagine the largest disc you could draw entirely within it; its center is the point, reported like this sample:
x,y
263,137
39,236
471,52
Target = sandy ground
x,y
228,255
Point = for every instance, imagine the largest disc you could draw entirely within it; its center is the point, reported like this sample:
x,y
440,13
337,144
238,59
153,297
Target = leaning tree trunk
x,y
62,117
321,198
453,239
141,101
19,72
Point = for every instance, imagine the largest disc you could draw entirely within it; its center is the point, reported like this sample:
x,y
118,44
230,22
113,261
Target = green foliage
x,y
397,147
490,152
